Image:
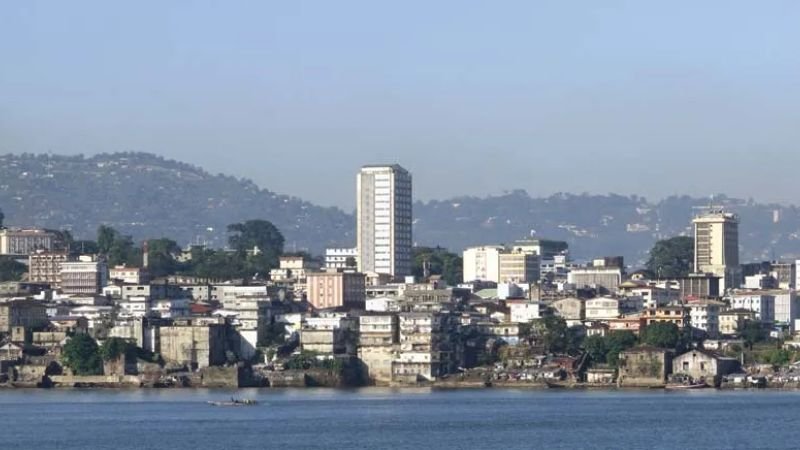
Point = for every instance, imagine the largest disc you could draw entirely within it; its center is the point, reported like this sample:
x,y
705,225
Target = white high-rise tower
x,y
716,245
384,220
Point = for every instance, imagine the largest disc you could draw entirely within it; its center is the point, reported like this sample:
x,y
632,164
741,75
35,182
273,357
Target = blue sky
x,y
475,98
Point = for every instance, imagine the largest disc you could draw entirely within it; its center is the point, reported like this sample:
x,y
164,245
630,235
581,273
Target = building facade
x,y
384,220
716,246
85,276
482,263
335,289
16,241
45,267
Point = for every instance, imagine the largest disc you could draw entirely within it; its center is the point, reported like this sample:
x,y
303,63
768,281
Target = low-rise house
x,y
602,308
601,374
668,314
704,365
570,309
524,311
378,336
633,323
644,366
597,329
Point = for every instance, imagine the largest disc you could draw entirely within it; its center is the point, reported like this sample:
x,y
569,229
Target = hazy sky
x,y
475,98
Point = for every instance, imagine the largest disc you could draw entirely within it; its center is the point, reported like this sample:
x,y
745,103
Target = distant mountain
x,y
149,196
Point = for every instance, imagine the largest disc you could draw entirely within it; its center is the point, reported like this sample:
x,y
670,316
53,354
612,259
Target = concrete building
x,y
524,311
378,338
644,367
425,353
607,278
335,289
337,258
732,321
787,307
194,342
482,263
704,315
519,267
45,267
704,365
665,314
85,276
544,248
23,242
602,308
760,303
570,309
716,246
22,313
129,275
384,220
699,286
293,268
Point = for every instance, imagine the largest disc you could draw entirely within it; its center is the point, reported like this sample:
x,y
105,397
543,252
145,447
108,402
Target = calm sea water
x,y
398,419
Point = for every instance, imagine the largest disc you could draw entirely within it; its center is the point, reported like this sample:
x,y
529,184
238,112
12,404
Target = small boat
x,y
699,385
234,402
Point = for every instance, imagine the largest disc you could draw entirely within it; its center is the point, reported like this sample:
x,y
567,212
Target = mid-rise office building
x,y
17,241
384,220
85,276
45,267
333,289
716,246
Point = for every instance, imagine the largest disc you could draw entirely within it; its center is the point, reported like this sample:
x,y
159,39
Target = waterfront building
x,y
384,220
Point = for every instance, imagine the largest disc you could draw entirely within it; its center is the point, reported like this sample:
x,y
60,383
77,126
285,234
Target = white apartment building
x,y
704,315
605,277
482,263
762,304
336,258
17,241
524,311
602,308
384,220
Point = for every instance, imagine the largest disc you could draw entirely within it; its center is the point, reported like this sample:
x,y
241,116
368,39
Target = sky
x,y
474,98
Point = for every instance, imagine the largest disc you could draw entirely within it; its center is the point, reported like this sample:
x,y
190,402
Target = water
x,y
398,419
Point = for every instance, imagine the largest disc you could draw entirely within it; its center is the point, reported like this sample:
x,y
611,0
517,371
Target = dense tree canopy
x,y
261,234
672,258
606,349
661,335
556,337
118,248
161,257
113,347
448,265
82,355
11,269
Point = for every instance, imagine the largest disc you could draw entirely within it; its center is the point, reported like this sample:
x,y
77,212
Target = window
x,y
686,366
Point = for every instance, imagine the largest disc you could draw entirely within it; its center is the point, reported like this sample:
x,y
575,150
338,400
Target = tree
x,y
556,336
672,258
113,347
440,262
105,238
161,260
616,342
596,347
261,234
85,247
661,335
350,262
753,332
11,269
82,355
